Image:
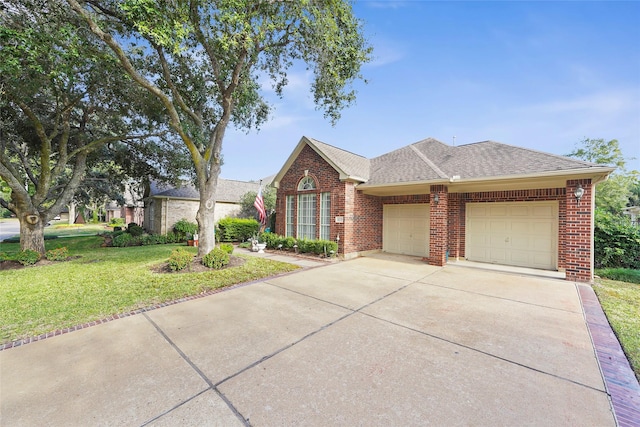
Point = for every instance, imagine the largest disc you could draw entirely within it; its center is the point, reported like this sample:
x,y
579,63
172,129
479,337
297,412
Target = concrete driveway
x,y
379,340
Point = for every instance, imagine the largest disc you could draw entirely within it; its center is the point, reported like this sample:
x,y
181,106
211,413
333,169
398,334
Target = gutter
x,y
601,173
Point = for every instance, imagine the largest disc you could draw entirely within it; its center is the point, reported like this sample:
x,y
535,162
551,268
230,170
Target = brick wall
x,y
438,225
327,179
578,245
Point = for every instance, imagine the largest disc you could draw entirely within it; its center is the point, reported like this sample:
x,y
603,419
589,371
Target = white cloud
x,y
613,102
387,4
386,52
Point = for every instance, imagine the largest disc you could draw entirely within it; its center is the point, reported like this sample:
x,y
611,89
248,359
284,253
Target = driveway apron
x,y
379,340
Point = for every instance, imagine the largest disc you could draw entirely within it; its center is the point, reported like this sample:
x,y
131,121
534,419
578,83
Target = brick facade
x,y
578,245
362,215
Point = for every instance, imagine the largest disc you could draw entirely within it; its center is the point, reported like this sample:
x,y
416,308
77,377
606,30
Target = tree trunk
x,y
205,217
72,213
31,231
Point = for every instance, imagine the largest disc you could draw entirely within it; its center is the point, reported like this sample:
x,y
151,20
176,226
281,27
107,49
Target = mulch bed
x,y
196,266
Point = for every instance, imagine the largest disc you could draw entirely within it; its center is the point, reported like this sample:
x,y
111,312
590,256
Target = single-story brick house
x,y
486,202
164,206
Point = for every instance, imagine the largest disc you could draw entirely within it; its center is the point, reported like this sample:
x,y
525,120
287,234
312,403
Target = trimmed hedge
x,y
318,247
237,229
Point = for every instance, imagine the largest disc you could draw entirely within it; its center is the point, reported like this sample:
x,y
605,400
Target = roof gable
x,y
349,166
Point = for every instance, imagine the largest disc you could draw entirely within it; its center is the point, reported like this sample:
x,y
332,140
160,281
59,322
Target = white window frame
x,y
289,231
307,183
325,216
307,216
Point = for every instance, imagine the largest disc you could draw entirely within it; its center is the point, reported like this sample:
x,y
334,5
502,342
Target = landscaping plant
x,y
180,259
28,257
237,229
58,254
216,259
227,247
185,228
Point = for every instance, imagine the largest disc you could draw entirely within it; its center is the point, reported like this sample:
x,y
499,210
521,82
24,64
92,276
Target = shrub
x,y
135,230
116,222
4,256
185,228
227,247
58,254
122,240
28,257
180,259
318,247
616,242
149,239
216,259
172,237
237,229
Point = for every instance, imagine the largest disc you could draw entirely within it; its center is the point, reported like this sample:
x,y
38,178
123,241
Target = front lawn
x,y
621,303
104,281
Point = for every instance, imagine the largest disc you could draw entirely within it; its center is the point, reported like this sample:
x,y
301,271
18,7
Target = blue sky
x,y
541,75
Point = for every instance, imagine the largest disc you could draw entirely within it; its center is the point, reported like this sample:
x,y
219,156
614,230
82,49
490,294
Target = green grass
x,y
620,274
103,282
621,303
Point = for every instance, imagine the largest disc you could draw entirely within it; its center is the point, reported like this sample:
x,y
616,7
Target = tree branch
x,y
174,118
174,90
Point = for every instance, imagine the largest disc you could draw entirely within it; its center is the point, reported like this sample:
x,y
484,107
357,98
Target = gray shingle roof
x,y
433,160
351,164
229,191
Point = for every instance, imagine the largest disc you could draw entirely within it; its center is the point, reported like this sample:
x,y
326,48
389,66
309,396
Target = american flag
x,y
259,205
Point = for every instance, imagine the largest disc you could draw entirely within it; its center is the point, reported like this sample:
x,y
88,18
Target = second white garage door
x,y
521,234
406,229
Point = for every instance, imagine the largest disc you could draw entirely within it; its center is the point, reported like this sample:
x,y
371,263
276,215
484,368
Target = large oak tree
x,y
63,100
203,59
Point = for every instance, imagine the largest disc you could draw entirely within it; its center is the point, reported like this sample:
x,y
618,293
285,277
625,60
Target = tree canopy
x,y
248,210
63,101
614,194
204,60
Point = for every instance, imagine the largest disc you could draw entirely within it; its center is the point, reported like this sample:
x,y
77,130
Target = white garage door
x,y
521,234
406,229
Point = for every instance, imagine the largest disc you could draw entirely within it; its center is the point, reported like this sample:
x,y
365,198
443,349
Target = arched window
x,y
306,183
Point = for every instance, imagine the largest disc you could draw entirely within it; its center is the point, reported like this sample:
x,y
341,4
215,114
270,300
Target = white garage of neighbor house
x,y
167,205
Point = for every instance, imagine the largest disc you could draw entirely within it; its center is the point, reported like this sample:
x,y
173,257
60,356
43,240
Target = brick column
x,y
438,229
454,202
579,232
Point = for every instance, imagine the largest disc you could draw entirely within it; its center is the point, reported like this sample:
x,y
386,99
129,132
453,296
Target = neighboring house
x,y
486,202
634,214
166,205
133,208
